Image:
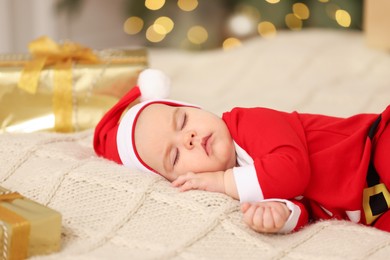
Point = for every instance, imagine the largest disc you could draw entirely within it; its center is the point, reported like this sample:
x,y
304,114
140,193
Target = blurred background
x,y
185,24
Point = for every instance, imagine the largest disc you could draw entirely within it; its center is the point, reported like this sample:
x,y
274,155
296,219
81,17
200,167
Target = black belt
x,y
376,197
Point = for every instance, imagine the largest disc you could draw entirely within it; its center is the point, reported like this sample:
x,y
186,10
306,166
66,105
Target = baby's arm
x,y
269,216
221,181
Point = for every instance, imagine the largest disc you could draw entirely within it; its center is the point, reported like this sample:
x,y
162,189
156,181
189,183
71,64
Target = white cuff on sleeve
x,y
292,220
248,186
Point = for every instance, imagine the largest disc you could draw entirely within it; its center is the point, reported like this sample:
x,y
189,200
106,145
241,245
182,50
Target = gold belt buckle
x,y
376,200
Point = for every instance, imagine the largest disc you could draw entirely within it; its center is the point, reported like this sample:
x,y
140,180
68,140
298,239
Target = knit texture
x,y
110,212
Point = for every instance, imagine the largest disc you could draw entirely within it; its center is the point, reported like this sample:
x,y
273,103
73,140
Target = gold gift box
x,y
27,228
94,89
377,23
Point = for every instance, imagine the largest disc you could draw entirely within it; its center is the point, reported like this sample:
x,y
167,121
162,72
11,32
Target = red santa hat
x,y
114,134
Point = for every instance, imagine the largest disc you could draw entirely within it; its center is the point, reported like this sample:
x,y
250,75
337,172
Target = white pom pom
x,y
154,84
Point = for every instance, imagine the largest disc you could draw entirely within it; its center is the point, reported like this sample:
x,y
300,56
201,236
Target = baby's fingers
x,y
182,179
268,223
248,215
187,182
191,184
278,218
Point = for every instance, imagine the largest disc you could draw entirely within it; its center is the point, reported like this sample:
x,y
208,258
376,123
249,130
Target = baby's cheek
x,y
228,156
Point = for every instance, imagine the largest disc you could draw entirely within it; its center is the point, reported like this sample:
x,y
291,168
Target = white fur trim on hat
x,y
124,138
125,135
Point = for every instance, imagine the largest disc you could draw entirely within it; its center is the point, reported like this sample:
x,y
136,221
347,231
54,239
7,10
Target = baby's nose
x,y
190,139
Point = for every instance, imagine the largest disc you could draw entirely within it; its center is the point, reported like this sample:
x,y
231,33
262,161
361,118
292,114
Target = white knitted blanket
x,y
110,212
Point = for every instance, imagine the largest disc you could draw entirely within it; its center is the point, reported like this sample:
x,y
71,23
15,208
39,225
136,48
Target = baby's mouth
x,y
206,144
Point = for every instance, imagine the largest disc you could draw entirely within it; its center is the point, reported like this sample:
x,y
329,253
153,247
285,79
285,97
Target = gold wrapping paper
x,y
376,23
26,227
95,87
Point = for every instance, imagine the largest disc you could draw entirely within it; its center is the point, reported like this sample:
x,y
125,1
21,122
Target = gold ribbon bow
x,y
45,52
15,247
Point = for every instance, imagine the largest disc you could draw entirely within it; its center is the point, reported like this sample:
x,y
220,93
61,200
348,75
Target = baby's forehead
x,y
154,111
161,108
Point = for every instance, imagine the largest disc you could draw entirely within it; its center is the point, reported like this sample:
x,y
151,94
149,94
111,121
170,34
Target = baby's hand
x,y
208,181
266,216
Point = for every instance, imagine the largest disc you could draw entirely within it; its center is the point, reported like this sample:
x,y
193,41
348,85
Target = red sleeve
x,y
276,142
303,218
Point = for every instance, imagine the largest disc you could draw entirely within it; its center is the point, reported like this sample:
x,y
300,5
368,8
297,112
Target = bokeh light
x,y
266,29
241,25
197,34
153,36
231,43
301,11
243,21
293,22
163,25
187,5
273,1
200,25
154,4
343,18
133,25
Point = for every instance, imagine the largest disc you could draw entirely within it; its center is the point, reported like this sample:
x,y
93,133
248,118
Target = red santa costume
x,y
320,166
317,163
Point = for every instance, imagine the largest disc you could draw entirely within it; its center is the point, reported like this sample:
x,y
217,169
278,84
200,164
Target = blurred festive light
x,y
153,36
343,18
133,25
241,25
301,11
163,25
244,20
187,5
231,43
154,4
273,1
197,35
158,28
266,29
293,22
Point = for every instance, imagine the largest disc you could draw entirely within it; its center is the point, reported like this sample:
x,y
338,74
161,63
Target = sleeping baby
x,y
287,169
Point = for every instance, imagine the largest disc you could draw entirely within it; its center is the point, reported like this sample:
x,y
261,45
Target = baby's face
x,y
177,140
